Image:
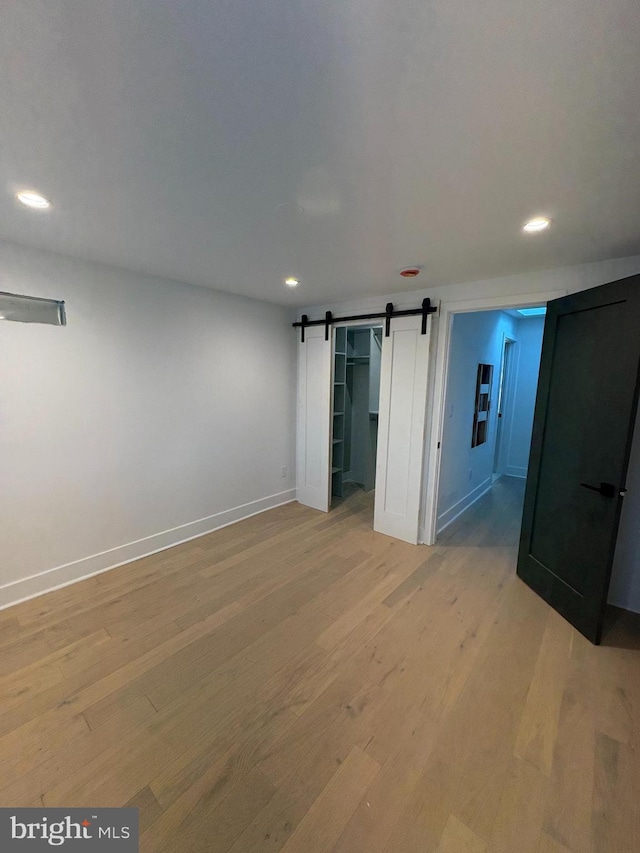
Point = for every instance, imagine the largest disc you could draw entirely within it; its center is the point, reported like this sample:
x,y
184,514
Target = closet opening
x,y
356,394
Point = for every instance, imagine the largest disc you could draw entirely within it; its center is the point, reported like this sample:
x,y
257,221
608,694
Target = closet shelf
x,y
337,413
335,470
337,441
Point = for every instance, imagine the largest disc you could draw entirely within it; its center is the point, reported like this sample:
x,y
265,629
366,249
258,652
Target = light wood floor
x,y
297,682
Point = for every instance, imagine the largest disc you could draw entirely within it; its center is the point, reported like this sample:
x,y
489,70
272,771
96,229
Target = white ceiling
x,y
230,143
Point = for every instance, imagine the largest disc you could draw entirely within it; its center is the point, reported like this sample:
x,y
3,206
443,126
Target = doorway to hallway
x,y
494,359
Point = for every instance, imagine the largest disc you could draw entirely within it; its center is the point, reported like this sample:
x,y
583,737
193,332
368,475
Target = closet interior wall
x,y
356,391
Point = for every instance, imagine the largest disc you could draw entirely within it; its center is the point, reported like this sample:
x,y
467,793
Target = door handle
x,y
606,489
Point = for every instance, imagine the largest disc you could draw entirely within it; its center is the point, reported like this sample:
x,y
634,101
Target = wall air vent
x,y
32,309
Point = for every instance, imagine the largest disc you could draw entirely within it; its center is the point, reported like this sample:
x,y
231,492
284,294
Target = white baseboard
x,y
455,511
513,471
60,576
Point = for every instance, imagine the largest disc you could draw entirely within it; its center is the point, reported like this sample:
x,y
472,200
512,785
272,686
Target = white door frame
x,y
445,325
505,395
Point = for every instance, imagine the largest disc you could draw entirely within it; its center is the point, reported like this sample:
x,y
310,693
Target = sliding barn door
x,y
401,426
314,419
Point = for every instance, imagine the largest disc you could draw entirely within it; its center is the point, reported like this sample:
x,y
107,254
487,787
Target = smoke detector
x,y
410,272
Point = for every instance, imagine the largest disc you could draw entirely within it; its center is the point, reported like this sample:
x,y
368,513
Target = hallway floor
x,y
297,682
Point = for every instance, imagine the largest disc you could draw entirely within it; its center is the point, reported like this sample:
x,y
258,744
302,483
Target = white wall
x,y
466,472
159,412
521,397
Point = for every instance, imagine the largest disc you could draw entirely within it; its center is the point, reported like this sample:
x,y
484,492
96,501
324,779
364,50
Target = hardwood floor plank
x,y
149,809
548,844
458,838
206,783
131,714
486,716
518,824
83,688
615,693
72,757
212,828
415,579
614,804
21,751
302,738
304,775
180,786
421,824
350,620
568,812
336,661
539,725
377,813
322,824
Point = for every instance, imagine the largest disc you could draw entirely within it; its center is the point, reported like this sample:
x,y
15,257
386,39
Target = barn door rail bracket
x,y
387,315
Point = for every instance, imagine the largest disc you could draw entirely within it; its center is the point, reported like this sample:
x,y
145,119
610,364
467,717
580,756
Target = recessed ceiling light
x,y
537,224
33,199
291,282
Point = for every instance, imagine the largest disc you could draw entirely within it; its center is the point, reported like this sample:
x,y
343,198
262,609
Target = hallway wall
x,y
521,397
466,472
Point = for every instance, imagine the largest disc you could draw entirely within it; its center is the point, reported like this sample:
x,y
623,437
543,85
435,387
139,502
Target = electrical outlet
x,y
284,471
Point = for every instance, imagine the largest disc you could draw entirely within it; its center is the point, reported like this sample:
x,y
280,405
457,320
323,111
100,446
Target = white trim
x,y
514,471
445,321
463,504
505,405
61,576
